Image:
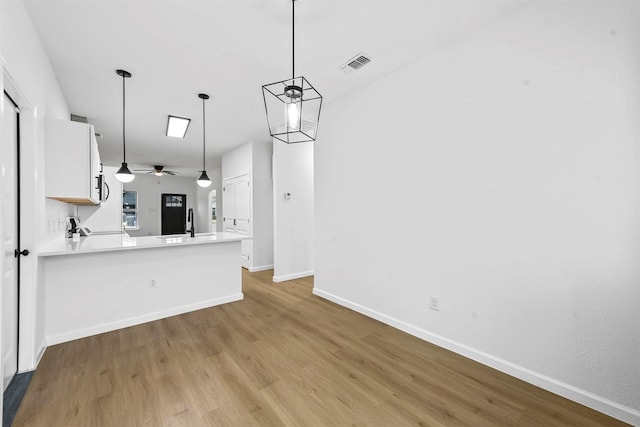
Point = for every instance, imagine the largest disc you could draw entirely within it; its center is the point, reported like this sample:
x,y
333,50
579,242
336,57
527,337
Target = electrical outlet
x,y
434,303
152,283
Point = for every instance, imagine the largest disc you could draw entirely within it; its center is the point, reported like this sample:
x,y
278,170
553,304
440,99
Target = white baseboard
x,y
260,268
120,324
41,350
286,277
591,400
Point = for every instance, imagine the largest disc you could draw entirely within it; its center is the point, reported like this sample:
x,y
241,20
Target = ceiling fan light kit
x,y
293,105
124,174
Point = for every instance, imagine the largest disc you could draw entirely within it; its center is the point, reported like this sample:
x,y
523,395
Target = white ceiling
x,y
176,49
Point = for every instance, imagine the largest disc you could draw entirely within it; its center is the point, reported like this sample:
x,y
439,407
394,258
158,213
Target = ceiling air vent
x,y
355,63
81,119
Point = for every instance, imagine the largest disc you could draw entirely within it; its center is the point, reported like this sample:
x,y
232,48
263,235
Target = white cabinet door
x,y
237,212
94,160
72,162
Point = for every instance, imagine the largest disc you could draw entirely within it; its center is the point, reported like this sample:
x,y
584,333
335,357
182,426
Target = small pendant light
x,y
293,105
203,180
124,174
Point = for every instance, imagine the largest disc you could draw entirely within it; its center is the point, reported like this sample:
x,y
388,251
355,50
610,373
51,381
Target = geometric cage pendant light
x,y
292,105
124,174
203,180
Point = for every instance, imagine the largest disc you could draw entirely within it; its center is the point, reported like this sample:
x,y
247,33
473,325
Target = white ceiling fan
x,y
157,170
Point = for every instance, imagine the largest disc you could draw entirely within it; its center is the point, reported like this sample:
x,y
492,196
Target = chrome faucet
x,y
192,231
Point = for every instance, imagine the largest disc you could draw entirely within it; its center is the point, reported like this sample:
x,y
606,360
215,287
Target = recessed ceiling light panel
x,y
177,126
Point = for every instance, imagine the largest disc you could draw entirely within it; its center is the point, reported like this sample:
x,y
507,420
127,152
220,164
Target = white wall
x,y
509,182
150,188
238,161
26,68
293,217
262,206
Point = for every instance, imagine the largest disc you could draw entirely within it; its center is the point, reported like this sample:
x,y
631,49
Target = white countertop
x,y
119,242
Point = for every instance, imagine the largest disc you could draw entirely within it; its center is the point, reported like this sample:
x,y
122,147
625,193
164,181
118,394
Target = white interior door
x,y
236,204
229,204
243,217
243,205
8,182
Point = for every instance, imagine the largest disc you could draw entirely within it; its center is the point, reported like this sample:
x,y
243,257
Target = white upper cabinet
x,y
72,162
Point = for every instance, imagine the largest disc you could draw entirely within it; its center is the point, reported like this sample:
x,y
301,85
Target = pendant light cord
x,y
203,137
124,150
293,39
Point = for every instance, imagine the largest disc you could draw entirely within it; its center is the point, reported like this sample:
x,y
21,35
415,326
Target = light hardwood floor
x,y
282,356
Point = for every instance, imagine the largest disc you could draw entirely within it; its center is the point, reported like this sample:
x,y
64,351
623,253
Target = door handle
x,y
17,253
234,221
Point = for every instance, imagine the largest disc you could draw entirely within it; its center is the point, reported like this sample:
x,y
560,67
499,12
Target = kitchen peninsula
x,y
104,283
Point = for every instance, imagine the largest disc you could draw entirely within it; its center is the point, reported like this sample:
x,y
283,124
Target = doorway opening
x,y
10,164
173,213
213,205
14,384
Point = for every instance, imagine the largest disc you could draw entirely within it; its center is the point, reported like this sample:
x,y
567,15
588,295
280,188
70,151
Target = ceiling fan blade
x,y
157,170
